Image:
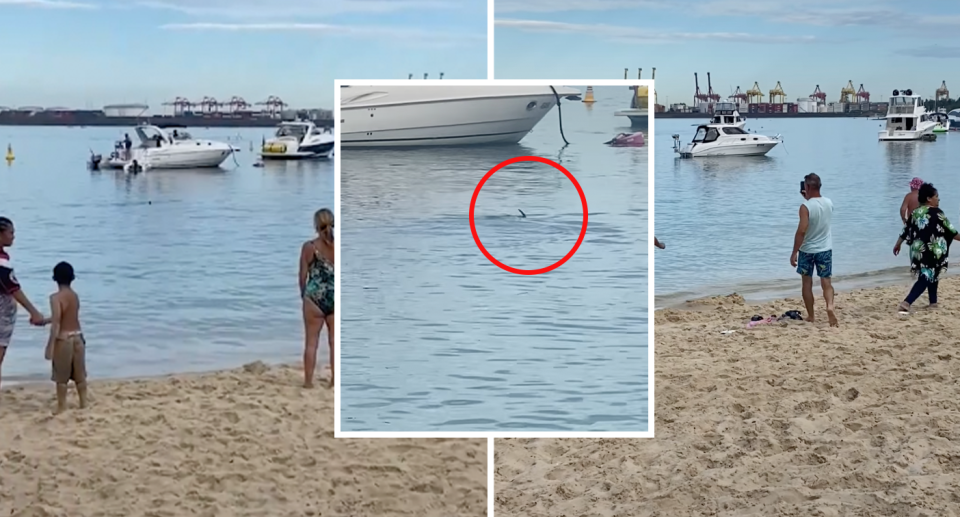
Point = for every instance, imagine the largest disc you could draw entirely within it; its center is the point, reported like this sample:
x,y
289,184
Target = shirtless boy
x,y
66,347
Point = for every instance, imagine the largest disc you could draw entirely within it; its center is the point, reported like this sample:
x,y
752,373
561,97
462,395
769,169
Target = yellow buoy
x,y
10,156
588,97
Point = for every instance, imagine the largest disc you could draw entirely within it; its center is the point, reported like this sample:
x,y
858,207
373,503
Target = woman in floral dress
x,y
929,234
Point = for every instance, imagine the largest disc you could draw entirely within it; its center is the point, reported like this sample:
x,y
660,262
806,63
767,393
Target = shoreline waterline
x,y
775,289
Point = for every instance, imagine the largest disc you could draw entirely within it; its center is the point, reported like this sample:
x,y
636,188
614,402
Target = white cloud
x,y
890,14
633,34
400,34
548,6
294,8
932,51
48,4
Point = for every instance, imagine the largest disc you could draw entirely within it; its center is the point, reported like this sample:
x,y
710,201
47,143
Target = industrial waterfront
x,y
755,103
206,113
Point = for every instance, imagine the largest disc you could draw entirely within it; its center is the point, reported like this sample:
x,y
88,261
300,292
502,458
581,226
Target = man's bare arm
x,y
903,209
801,228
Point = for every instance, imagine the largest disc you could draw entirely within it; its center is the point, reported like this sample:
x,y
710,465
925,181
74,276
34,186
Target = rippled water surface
x,y
436,337
729,223
177,270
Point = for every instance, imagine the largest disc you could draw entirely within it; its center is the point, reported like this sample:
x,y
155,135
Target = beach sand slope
x,y
249,441
795,419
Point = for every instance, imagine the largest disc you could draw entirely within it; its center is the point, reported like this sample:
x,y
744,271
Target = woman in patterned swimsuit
x,y
316,288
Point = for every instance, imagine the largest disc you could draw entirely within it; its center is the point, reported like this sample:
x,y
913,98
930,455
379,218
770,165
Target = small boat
x,y
724,140
954,118
907,119
176,149
627,140
298,140
942,120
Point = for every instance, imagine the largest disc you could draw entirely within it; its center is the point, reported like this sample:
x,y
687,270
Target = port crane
x,y
180,105
273,104
209,105
863,95
847,92
755,94
714,97
817,94
698,96
777,95
237,104
943,94
739,97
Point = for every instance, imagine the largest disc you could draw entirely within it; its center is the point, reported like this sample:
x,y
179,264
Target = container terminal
x,y
852,102
208,112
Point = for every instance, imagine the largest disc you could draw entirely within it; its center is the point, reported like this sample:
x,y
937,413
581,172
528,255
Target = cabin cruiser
x,y
440,115
725,140
298,140
176,149
639,112
954,118
907,119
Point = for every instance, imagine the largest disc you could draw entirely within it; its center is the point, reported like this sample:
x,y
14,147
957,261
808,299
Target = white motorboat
x,y
298,140
725,140
160,149
639,112
907,119
407,116
953,117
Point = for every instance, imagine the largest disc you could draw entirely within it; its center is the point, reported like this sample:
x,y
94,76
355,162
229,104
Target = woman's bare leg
x,y
312,325
330,330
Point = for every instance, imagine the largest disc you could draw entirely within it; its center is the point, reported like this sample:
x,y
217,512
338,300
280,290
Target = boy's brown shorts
x,y
69,360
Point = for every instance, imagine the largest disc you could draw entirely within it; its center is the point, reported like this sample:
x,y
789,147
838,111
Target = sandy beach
x,y
249,441
791,419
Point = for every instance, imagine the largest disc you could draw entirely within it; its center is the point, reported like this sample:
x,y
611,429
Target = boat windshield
x,y
733,131
179,134
150,136
294,130
706,134
725,106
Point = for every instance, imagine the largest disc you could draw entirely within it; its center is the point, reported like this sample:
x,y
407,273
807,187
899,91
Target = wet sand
x,y
249,441
790,419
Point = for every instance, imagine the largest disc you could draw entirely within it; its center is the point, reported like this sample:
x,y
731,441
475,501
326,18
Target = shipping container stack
x,y
753,108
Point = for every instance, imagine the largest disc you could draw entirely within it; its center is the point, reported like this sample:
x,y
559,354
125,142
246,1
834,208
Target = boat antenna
x,y
559,115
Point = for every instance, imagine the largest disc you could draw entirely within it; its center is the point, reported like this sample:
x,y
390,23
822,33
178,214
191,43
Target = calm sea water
x,y
435,337
729,223
177,270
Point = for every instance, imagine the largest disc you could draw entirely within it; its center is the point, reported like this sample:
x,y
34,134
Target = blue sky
x,y
86,53
879,43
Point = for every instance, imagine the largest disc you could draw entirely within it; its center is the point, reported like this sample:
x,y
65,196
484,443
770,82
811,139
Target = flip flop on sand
x,y
903,308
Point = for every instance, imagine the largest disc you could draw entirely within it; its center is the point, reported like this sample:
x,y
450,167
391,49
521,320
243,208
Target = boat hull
x,y
287,150
407,116
700,151
905,136
638,118
174,159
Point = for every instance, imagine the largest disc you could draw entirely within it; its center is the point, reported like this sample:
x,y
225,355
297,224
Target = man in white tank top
x,y
813,246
